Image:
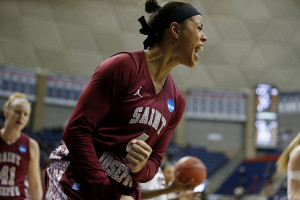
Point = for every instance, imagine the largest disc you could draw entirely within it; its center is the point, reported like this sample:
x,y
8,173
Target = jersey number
x,y
7,175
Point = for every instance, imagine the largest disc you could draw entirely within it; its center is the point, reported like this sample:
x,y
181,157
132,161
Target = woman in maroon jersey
x,y
120,128
19,154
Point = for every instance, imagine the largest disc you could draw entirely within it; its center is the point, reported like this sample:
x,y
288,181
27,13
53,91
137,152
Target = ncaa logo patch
x,y
75,186
22,149
171,105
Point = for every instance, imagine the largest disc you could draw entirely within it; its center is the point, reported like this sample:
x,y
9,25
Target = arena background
x,y
249,43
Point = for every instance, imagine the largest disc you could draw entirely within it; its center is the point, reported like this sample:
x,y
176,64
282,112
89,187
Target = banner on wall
x,y
64,90
289,103
216,105
13,79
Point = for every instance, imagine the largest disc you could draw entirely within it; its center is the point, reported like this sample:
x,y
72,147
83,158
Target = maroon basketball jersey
x,y
119,104
14,159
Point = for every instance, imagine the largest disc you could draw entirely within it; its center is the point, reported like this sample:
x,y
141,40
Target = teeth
x,y
198,49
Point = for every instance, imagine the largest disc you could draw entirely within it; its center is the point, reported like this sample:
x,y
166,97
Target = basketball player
x,y
156,188
120,128
289,162
19,154
164,186
169,173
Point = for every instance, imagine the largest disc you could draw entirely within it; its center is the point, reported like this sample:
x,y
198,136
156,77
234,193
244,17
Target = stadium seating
x,y
256,174
212,160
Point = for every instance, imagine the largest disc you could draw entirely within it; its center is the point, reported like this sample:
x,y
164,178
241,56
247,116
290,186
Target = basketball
x,y
190,167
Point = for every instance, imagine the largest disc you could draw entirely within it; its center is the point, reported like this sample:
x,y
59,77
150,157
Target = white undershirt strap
x,y
294,175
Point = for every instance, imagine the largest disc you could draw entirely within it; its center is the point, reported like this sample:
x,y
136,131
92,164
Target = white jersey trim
x,y
55,172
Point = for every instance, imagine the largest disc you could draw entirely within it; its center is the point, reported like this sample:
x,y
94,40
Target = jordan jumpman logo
x,y
138,92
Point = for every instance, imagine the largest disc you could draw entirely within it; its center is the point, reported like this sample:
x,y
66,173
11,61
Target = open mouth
x,y
198,48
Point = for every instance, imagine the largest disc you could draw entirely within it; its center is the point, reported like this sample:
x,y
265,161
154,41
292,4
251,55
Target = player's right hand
x,y
138,154
178,185
190,195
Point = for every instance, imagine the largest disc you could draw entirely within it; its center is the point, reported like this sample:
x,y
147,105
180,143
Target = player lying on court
x,y
120,128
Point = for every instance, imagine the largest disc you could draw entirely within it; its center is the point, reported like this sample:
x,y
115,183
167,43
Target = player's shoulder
x,y
125,62
180,100
24,138
173,89
295,157
31,142
34,148
128,57
296,151
179,96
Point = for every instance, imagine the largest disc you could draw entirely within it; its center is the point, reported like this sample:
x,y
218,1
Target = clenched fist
x,y
138,154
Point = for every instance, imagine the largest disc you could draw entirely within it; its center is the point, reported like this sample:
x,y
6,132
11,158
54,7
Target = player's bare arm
x,y
34,177
295,168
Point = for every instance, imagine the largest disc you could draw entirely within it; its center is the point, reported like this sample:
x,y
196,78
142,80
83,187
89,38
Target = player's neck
x,y
10,136
160,62
159,66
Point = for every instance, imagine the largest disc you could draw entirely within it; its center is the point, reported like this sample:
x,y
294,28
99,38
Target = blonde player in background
x,y
289,162
19,154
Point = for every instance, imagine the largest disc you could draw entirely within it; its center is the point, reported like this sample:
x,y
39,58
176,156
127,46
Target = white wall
x,y
216,135
56,116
